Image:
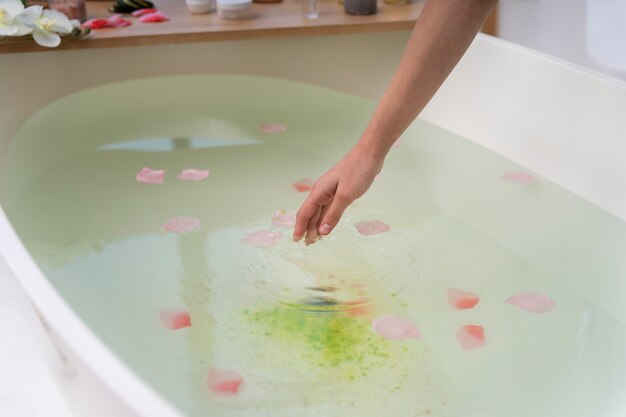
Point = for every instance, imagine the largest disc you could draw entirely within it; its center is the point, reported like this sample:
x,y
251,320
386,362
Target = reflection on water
x,y
295,321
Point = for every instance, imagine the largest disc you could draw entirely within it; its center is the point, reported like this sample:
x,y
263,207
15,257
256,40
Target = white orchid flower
x,y
46,25
10,24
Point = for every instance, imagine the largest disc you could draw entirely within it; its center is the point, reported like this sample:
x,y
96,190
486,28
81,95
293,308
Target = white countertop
x,y
26,389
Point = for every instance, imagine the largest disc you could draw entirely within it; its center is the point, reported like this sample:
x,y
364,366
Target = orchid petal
x,y
47,39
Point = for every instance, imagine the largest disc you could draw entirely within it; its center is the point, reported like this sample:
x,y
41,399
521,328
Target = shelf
x,y
271,21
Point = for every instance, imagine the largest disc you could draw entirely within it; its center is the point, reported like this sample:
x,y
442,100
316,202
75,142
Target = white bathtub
x,y
563,122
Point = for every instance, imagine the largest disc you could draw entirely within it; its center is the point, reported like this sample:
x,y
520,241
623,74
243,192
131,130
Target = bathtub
x,y
561,121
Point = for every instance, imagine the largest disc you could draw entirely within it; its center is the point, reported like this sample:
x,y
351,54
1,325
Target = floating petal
x,y
272,127
372,227
462,300
284,218
224,381
174,318
192,174
471,337
534,302
519,177
150,176
303,185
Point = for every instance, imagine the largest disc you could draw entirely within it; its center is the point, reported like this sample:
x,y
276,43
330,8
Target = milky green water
x,y
69,189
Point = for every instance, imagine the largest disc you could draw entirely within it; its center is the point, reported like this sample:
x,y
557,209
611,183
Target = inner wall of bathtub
x,y
295,322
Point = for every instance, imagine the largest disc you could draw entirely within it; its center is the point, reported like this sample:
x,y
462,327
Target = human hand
x,y
348,180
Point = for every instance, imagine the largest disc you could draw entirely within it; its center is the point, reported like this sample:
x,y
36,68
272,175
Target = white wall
x,y
591,33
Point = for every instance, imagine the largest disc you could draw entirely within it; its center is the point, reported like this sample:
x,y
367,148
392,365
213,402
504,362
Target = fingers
x,y
333,214
318,197
311,229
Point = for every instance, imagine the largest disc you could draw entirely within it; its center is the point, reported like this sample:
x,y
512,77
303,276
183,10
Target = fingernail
x,y
296,239
325,229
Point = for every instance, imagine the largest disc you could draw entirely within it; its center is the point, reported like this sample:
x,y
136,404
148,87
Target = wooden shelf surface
x,y
271,21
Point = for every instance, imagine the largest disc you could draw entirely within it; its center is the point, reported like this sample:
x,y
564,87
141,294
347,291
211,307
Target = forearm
x,y
441,36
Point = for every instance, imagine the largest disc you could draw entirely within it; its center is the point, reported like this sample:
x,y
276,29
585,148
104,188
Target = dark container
x,y
360,7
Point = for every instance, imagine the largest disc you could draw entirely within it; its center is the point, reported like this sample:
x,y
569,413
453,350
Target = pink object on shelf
x,y
394,328
224,381
533,302
150,176
192,174
174,318
372,227
519,177
471,337
263,239
462,300
155,17
141,12
272,127
182,224
115,21
303,185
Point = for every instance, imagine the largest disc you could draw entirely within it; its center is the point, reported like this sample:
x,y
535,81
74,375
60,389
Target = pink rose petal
x,y
372,227
303,185
263,239
174,318
192,174
519,177
471,337
394,328
462,300
284,218
272,127
141,12
533,302
155,17
150,176
115,21
181,225
224,381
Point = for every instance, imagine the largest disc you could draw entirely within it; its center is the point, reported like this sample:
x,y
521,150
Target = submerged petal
x,y
303,185
272,127
284,218
263,238
182,225
394,328
519,177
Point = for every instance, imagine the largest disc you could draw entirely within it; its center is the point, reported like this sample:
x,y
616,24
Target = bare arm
x,y
441,36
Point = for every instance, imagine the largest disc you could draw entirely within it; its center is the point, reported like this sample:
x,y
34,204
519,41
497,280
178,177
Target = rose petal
x,y
182,224
150,176
303,185
471,337
192,174
272,127
284,218
117,21
372,227
533,302
262,239
96,24
174,318
519,177
155,17
394,328
224,381
462,300
141,12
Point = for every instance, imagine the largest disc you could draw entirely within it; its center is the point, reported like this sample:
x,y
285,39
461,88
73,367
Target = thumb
x,y
333,214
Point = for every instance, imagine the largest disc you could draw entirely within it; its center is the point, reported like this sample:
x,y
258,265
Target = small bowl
x,y
200,6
